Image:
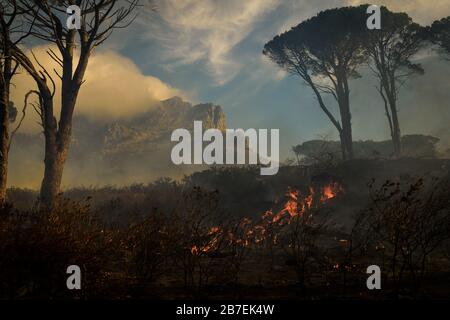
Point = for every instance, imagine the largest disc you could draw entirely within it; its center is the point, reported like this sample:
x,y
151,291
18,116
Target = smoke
x,y
423,104
114,88
86,167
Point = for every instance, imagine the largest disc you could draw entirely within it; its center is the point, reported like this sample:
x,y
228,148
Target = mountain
x,y
122,151
154,128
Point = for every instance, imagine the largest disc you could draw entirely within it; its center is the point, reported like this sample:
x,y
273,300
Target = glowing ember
x,y
194,250
212,244
330,191
213,230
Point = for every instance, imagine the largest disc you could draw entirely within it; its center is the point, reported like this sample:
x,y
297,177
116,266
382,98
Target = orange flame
x,y
330,191
211,245
296,205
213,230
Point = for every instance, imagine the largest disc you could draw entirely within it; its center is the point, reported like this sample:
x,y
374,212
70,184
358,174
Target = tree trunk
x,y
347,135
396,135
5,81
54,165
389,85
343,146
343,95
57,138
4,144
57,142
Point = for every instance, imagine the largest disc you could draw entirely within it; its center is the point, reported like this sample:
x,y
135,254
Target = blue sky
x,y
211,51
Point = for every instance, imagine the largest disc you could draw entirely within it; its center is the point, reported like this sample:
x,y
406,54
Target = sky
x,y
211,51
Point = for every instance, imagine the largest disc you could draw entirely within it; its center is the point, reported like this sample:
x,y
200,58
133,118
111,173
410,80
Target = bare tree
x,y
98,20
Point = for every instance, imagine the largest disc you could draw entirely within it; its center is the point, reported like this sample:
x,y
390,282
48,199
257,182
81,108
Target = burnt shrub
x,y
406,227
36,247
149,244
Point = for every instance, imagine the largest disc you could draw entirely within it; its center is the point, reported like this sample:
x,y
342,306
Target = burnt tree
x,y
98,20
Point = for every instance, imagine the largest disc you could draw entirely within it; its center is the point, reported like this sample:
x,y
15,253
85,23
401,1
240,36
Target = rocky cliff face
x,y
211,115
153,128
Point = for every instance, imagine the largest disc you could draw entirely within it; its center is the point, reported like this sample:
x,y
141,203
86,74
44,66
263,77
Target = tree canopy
x,y
325,51
391,49
322,44
440,34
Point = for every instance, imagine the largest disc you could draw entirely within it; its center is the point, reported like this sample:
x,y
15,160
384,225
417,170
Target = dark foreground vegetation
x,y
306,233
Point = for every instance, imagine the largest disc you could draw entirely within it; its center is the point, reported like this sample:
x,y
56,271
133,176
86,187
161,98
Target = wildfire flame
x,y
296,204
291,205
213,235
330,191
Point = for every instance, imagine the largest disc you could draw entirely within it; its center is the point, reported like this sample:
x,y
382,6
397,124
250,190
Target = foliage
x,y
440,34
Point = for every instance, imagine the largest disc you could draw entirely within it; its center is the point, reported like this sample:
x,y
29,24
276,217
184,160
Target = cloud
x,y
114,88
206,31
209,31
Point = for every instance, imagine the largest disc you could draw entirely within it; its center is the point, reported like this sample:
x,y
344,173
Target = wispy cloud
x,y
206,32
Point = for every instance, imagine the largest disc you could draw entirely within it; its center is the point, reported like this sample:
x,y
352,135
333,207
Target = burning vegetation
x,y
134,245
297,203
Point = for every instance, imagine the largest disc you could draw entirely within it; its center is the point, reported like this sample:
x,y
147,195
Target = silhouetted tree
x,y
325,52
440,34
9,36
297,153
98,20
391,49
